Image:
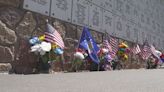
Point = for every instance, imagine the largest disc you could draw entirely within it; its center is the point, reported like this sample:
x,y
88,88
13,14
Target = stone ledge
x,y
5,67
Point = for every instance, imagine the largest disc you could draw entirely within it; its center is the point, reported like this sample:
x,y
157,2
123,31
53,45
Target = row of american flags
x,y
145,51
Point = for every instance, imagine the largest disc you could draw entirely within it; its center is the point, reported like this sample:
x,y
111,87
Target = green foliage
x,y
77,64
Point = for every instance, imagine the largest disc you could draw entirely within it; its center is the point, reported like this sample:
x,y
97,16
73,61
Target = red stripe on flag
x,y
114,45
107,45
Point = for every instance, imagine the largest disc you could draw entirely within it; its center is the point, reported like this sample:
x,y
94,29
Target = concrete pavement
x,y
113,81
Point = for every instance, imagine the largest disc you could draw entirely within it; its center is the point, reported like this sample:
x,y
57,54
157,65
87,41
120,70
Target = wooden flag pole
x,y
98,67
80,38
62,61
49,53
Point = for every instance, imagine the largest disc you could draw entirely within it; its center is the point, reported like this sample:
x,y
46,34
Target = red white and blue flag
x,y
136,49
114,45
52,36
107,45
89,44
146,51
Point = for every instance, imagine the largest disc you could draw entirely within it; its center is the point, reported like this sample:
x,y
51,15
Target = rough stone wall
x,y
18,25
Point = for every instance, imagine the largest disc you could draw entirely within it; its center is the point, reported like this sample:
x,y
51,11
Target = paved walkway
x,y
112,81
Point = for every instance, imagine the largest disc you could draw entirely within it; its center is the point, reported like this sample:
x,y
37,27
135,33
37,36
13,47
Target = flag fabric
x,y
136,49
114,45
162,57
146,51
88,44
155,52
52,36
107,45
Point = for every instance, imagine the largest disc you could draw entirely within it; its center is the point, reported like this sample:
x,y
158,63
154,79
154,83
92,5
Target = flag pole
x,y
98,67
136,46
49,53
77,48
79,39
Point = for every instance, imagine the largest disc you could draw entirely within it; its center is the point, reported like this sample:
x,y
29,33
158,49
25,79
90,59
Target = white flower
x,y
35,48
41,48
45,46
79,55
104,50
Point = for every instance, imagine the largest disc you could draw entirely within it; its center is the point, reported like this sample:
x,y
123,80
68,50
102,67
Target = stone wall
x,y
18,25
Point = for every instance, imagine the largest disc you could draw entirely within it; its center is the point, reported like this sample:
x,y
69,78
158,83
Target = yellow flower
x,y
41,38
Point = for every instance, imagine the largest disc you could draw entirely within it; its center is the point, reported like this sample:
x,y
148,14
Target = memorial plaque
x,y
125,29
61,9
97,2
135,2
141,5
95,17
157,14
119,6
163,44
132,20
135,14
142,18
149,38
105,4
108,22
158,28
39,6
140,41
162,31
128,11
128,31
119,24
148,22
159,43
131,2
136,33
144,37
154,40
108,5
138,21
153,25
80,13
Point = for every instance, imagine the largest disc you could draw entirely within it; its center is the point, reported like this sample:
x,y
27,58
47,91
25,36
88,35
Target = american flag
x,y
136,49
155,52
107,45
146,51
51,35
114,45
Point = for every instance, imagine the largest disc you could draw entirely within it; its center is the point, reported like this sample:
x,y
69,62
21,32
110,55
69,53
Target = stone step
x,y
5,67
